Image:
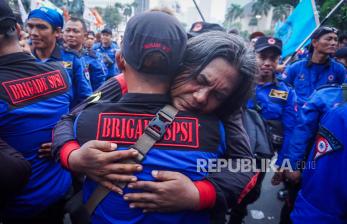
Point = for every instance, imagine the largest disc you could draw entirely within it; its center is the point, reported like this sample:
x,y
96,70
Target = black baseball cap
x,y
203,27
107,30
322,31
341,53
6,12
264,43
154,32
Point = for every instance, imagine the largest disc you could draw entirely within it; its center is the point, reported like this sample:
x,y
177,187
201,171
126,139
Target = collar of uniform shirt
x,y
55,54
146,98
14,58
310,63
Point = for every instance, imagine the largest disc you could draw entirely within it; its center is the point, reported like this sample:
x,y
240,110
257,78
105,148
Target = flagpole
x,y
197,7
315,12
309,36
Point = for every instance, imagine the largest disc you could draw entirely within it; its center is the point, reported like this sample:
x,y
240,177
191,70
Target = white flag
x,y
89,16
23,13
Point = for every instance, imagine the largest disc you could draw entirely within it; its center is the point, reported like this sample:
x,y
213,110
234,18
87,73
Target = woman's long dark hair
x,y
202,49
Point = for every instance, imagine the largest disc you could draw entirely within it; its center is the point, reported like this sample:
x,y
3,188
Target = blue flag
x,y
298,26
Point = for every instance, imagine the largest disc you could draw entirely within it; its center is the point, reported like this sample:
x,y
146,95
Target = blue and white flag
x,y
298,26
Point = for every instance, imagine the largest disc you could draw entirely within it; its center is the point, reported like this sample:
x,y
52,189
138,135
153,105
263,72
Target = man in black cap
x,y
108,49
275,102
318,69
254,37
33,96
150,56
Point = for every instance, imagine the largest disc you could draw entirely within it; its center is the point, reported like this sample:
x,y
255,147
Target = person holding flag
x,y
319,68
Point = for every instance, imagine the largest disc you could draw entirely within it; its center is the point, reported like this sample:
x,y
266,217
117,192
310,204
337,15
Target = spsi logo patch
x,y
280,94
326,143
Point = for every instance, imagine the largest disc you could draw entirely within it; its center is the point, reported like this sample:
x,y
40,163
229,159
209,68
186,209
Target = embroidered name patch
x,y
25,89
67,64
126,128
279,94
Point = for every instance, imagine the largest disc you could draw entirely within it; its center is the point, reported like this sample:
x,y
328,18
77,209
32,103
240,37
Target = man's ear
x,y
18,30
314,43
58,32
120,60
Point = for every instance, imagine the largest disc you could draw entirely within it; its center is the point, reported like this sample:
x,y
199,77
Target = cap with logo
x,y
107,31
151,32
203,27
264,43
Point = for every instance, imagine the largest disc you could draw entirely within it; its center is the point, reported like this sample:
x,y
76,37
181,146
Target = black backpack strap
x,y
153,132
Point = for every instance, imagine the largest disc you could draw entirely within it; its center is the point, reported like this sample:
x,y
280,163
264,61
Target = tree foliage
x,y
234,11
261,7
127,9
76,8
282,9
275,3
338,19
112,17
281,12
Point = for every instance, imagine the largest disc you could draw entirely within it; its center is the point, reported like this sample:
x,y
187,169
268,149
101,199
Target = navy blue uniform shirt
x,y
305,76
72,63
34,96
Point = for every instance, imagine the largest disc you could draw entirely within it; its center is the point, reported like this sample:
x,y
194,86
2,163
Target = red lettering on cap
x,y
157,45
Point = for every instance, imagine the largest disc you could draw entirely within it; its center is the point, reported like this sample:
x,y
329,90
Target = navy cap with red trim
x,y
151,32
264,43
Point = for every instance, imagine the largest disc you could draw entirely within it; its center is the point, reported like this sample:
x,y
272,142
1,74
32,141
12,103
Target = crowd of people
x,y
95,131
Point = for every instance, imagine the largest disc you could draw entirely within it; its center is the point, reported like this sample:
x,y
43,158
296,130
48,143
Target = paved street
x,y
266,210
